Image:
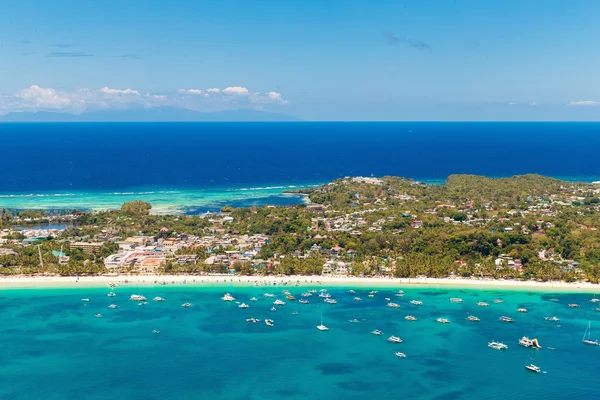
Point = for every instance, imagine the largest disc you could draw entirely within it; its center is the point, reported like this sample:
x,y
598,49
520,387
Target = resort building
x,y
87,247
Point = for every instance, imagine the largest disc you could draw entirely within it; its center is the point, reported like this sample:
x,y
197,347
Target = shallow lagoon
x,y
54,347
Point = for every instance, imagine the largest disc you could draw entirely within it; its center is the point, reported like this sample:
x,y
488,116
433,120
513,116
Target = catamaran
x,y
322,327
587,336
227,297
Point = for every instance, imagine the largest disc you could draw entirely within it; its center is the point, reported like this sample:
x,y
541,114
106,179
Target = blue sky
x,y
321,60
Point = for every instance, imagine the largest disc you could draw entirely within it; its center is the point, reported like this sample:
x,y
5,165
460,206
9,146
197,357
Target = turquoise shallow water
x,y
53,347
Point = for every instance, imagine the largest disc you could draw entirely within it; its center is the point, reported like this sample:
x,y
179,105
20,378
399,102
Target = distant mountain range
x,y
157,114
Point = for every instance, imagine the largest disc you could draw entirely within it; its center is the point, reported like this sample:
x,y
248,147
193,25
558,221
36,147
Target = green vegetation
x,y
525,227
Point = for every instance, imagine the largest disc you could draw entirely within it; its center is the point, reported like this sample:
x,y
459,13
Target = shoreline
x,y
73,282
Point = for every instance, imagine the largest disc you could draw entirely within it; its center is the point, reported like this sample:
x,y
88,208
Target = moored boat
x,y
497,345
443,320
394,339
410,318
456,300
533,368
506,319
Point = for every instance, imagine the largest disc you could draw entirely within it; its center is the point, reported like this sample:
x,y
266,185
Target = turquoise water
x,y
53,347
164,200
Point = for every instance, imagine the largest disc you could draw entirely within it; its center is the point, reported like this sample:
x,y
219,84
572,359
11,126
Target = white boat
x,y
278,302
522,310
387,299
473,318
497,345
137,297
330,301
443,321
573,305
98,315
269,295
410,318
113,306
303,301
269,322
306,294
253,320
356,299
85,300
158,298
533,368
186,305
594,299
377,332
295,313
371,295
324,295
253,299
111,294
156,331
506,319
554,300
399,354
313,291
416,302
587,336
532,343
498,301
553,319
398,294
322,327
273,309
354,321
401,292
393,305
227,297
456,300
244,305
351,291
482,304
394,339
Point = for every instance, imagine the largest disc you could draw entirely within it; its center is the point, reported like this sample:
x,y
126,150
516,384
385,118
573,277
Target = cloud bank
x,y
37,98
584,103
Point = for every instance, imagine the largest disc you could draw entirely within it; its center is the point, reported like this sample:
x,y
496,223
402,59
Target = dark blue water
x,y
109,156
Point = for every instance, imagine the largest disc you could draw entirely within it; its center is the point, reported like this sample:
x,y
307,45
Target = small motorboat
x,y
278,302
573,305
354,321
473,318
356,299
85,300
506,319
98,315
377,332
295,313
186,305
113,306
158,298
482,304
416,302
137,297
273,309
394,339
252,320
244,305
443,321
523,310
330,301
533,368
497,345
111,294
399,354
498,301
553,319
351,291
303,301
456,300
410,318
253,299
227,297
393,305
156,331
269,322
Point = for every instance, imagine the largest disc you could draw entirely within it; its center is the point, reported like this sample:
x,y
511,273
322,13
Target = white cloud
x,y
191,91
36,98
237,90
585,103
107,90
533,104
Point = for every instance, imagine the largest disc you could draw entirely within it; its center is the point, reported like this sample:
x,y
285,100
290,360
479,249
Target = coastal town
x,y
527,227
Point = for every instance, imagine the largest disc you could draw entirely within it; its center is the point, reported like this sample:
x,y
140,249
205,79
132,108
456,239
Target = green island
x,y
527,227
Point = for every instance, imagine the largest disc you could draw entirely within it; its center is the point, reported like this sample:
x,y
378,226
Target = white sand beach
x,y
39,282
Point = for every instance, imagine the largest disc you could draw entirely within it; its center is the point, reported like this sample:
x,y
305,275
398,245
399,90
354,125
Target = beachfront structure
x,y
87,247
138,261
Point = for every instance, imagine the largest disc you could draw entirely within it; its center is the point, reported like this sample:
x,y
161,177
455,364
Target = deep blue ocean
x,y
207,161
54,348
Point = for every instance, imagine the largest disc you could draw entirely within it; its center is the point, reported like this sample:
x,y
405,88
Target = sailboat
x,y
587,336
322,327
